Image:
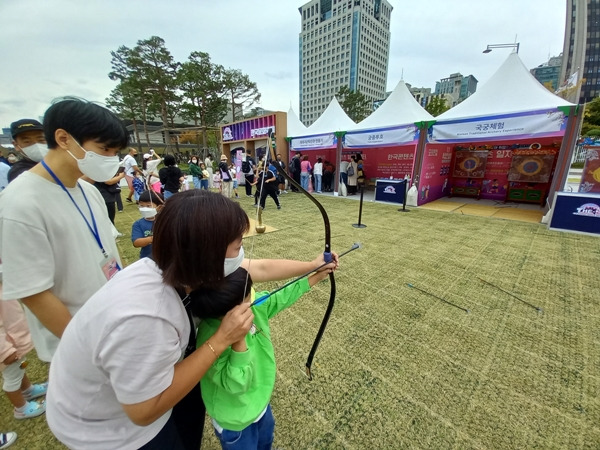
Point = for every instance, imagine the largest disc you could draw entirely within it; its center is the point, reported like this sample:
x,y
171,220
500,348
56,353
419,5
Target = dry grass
x,y
400,369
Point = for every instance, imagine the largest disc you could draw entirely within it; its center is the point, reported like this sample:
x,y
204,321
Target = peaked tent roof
x,y
294,126
511,89
400,108
333,119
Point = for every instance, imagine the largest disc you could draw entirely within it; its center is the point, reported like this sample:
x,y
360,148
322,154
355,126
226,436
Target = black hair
x,y
84,121
169,160
151,196
209,303
191,236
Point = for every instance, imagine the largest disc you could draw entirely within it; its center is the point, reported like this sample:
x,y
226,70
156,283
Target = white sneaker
x,y
7,439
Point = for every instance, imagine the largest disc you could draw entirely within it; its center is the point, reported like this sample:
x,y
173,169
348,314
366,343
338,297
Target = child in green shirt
x,y
237,388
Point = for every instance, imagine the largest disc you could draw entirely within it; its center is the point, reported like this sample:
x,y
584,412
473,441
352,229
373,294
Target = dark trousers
x,y
269,189
119,201
296,177
166,438
249,179
110,207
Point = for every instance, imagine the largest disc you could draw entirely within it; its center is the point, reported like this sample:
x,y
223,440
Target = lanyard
x,y
94,230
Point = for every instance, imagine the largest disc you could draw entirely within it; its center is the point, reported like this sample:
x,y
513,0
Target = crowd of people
x,y
127,357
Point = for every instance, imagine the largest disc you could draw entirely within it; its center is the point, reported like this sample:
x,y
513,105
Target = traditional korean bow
x,y
326,256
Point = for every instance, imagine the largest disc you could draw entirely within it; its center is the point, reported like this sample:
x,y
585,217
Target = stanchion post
x,y
403,209
359,224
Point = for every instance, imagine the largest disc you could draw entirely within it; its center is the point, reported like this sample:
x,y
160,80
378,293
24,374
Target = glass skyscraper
x,y
342,43
581,51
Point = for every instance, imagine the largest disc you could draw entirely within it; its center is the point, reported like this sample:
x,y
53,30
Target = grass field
x,y
398,368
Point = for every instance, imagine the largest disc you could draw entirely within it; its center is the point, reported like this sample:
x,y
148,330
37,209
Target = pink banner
x,y
435,172
396,161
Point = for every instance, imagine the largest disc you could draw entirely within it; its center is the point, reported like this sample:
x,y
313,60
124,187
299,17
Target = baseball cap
x,y
223,158
147,156
20,126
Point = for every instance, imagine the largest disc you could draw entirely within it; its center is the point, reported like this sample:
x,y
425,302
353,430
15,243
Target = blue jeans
x,y
204,184
344,178
304,180
258,435
196,182
167,194
318,183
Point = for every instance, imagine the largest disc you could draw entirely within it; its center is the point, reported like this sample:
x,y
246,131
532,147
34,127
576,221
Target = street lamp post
x,y
492,46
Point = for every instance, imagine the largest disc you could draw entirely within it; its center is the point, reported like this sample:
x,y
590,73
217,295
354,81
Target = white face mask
x,y
35,152
233,264
12,159
96,167
147,213
194,161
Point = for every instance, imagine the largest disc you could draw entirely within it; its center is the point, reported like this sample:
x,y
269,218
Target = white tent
x,y
400,108
333,119
294,126
393,123
321,134
511,105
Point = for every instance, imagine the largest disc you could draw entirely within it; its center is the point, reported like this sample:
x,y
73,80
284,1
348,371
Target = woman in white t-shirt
x,y
119,369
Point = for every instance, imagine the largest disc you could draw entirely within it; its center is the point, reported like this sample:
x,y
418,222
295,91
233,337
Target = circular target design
x,y
469,164
535,146
530,166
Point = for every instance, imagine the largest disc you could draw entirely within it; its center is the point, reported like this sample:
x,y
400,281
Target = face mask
x,y
96,167
36,152
233,264
147,213
194,161
12,159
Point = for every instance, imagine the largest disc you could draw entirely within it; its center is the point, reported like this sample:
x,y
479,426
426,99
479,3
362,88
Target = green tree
x,y
148,73
437,106
241,92
203,91
591,117
354,103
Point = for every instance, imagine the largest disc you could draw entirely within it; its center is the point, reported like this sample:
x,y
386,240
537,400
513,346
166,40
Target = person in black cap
x,y
29,141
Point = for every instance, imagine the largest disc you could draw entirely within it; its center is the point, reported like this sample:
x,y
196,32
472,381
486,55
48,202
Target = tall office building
x,y
549,73
457,86
342,43
581,51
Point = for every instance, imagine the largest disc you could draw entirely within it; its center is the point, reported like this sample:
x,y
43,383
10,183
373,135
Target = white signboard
x,y
314,142
509,126
381,138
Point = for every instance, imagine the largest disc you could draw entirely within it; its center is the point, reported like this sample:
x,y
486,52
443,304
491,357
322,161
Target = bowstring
x,y
262,184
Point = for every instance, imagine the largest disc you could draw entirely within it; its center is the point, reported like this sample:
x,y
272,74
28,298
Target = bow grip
x,y
327,257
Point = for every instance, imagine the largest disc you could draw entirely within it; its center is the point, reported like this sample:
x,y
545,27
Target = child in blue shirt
x,y
237,388
141,230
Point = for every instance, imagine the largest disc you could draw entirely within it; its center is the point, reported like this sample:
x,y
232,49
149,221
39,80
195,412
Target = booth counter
x,y
392,191
576,212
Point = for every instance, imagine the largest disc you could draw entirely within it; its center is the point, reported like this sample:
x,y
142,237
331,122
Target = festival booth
x,y
322,138
388,139
251,134
509,141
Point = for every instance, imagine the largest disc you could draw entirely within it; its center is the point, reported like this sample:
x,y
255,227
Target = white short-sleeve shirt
x,y
120,348
46,244
128,163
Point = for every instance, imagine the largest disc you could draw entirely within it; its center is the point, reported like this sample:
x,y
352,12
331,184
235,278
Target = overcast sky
x,y
52,48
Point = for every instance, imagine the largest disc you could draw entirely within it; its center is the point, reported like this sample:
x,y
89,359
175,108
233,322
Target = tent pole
x,y
338,161
565,153
420,150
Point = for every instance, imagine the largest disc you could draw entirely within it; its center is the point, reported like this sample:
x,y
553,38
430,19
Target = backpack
x,y
246,168
350,170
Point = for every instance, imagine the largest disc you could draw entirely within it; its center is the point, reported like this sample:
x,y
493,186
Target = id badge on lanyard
x,y
109,266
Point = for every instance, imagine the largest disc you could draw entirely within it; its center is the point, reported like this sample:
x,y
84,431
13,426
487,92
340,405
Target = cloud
x,y
64,48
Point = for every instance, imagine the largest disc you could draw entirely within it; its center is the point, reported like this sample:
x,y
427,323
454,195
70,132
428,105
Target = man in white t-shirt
x,y
56,241
131,170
